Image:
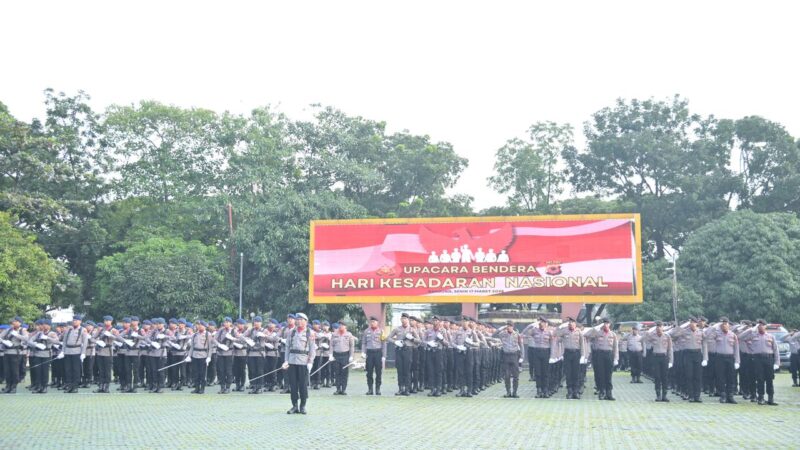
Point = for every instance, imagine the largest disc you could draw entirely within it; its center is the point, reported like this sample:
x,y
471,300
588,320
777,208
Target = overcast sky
x,y
473,74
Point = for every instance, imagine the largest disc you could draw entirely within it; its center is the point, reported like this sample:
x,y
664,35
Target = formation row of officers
x,y
440,356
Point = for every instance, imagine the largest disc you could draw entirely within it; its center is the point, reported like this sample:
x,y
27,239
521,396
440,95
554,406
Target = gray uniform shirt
x,y
372,341
75,341
569,340
17,343
98,335
343,342
509,342
762,344
407,335
40,337
603,341
301,347
723,343
200,345
662,345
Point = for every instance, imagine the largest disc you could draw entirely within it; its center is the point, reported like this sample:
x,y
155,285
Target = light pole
x,y
674,270
241,277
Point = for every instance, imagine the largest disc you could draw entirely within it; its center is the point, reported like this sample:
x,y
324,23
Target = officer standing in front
x,y
403,337
301,349
511,342
373,349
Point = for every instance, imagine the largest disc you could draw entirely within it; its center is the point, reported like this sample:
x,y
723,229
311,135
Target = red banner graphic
x,y
487,260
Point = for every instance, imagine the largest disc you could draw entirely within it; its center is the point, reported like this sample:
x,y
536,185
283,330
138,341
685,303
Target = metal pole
x,y
674,290
241,277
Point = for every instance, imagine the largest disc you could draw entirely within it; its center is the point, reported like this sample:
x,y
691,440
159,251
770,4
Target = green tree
x,y
746,266
657,303
670,163
164,277
166,152
528,170
274,236
770,163
27,274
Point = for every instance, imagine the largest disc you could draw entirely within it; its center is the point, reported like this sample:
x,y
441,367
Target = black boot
x,y
294,410
377,389
664,395
771,400
369,389
729,399
508,389
302,407
609,396
760,399
514,386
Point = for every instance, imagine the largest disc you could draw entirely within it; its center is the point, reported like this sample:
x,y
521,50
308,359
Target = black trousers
x,y
199,372
298,383
531,372
173,373
239,366
225,370
270,364
403,362
87,370
374,367
511,367
794,365
693,372
255,368
660,366
603,366
211,370
572,368
764,373
464,363
10,371
40,374
725,374
476,368
72,369
541,363
416,368
341,374
434,368
156,376
104,367
635,359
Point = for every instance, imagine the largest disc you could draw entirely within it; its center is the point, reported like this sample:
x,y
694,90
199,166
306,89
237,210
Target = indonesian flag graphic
x,y
469,258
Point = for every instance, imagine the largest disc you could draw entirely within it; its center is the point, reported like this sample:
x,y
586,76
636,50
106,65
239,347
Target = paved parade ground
x,y
183,420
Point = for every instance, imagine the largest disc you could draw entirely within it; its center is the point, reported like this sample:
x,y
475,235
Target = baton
x,y
183,360
268,373
320,367
42,363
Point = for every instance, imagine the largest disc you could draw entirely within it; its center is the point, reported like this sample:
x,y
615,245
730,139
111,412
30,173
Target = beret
x,y
134,318
240,320
301,316
126,320
257,319
227,319
109,318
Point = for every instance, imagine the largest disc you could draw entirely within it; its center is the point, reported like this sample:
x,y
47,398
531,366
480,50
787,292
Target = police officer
x,y
605,352
633,342
343,345
103,337
224,344
793,339
541,339
572,342
239,354
254,338
435,342
662,358
695,357
403,337
726,350
301,349
463,340
13,340
272,344
512,356
373,349
41,344
200,346
74,350
766,359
